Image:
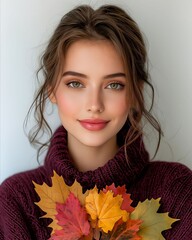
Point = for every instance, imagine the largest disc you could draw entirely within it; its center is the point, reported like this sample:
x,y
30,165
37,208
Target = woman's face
x,y
92,93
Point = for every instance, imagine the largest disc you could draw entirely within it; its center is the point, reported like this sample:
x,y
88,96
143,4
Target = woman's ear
x,y
51,96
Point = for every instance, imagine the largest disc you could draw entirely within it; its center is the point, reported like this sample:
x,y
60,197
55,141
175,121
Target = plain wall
x,y
27,25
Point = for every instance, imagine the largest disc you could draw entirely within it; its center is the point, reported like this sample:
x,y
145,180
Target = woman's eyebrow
x,y
113,75
77,74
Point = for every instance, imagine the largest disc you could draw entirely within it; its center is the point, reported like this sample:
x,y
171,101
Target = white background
x,y
27,25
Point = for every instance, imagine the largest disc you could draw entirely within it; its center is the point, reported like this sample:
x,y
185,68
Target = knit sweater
x,y
20,217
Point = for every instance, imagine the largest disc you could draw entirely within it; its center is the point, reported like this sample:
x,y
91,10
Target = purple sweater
x,y
20,217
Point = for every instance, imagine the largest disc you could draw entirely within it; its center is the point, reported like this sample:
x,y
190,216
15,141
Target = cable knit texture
x,y
20,217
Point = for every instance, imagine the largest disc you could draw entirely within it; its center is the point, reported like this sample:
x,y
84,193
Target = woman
x,y
94,71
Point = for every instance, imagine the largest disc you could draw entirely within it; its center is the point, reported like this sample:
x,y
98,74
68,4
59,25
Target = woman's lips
x,y
93,124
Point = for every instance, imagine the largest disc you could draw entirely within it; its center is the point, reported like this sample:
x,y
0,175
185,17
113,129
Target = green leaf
x,y
153,223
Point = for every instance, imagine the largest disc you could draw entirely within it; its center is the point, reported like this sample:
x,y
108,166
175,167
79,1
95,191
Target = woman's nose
x,y
95,102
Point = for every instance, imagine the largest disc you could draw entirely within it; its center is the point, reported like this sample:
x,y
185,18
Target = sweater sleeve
x,y
12,220
179,192
19,216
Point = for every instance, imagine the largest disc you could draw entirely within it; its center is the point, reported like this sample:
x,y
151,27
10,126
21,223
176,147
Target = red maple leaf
x,y
126,204
73,219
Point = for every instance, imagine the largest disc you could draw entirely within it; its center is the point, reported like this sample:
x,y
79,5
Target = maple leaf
x,y
49,196
126,204
57,193
73,219
105,209
76,189
153,223
124,230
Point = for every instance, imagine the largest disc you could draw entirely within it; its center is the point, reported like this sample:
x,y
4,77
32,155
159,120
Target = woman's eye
x,y
74,85
115,86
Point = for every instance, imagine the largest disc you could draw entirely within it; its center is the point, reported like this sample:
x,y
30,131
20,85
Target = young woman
x,y
94,71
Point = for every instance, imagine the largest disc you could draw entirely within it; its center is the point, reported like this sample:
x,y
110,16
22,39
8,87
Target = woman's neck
x,y
88,158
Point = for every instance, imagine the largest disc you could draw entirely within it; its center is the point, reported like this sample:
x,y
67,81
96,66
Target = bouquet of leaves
x,y
106,214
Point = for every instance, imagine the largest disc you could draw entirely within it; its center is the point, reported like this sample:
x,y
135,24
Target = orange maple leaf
x,y
73,219
124,230
105,209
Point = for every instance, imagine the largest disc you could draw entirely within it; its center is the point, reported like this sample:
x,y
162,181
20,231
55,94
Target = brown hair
x,y
107,22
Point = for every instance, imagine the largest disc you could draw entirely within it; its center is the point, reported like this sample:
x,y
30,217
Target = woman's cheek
x,y
120,105
67,104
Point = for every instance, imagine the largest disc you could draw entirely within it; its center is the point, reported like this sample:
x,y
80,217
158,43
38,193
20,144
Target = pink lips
x,y
93,124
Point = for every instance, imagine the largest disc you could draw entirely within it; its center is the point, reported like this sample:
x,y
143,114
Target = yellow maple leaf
x,y
153,223
49,196
76,189
57,193
105,209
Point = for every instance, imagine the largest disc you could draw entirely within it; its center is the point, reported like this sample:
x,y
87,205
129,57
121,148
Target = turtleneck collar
x,y
116,170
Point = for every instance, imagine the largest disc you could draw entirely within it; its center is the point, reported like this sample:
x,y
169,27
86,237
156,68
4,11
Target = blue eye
x,y
74,84
115,86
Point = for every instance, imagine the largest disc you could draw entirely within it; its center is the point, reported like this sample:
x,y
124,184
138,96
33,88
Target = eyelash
x,y
72,82
120,85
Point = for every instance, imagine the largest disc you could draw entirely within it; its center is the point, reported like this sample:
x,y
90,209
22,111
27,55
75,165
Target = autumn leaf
x,y
153,223
57,193
124,230
76,189
49,196
88,237
126,204
104,208
73,219
109,211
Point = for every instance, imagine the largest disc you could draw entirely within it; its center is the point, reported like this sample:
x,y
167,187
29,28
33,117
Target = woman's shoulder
x,y
22,183
172,179
170,170
169,179
18,210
